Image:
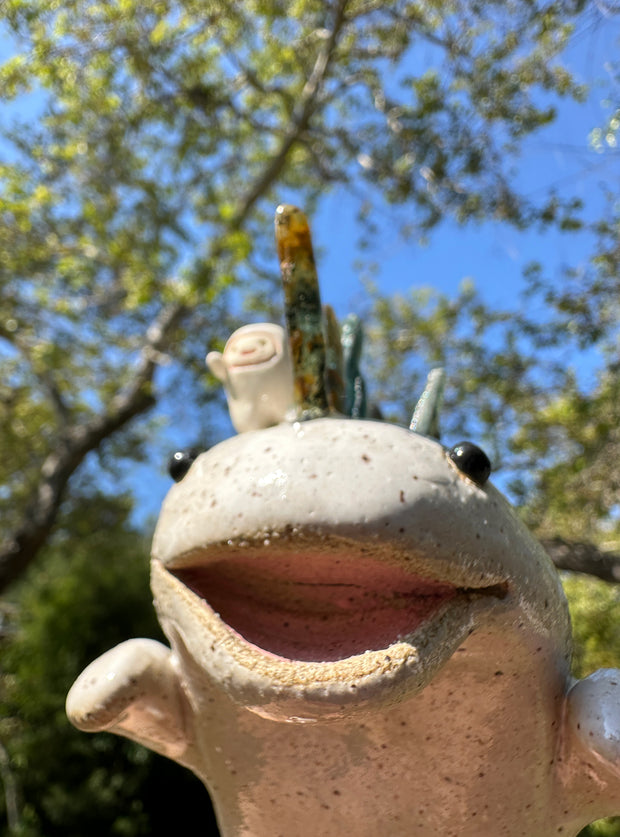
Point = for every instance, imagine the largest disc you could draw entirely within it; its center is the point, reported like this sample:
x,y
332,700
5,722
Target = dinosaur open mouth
x,y
315,607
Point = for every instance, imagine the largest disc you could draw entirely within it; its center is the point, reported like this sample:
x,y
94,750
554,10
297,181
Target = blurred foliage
x,y
595,612
84,595
602,828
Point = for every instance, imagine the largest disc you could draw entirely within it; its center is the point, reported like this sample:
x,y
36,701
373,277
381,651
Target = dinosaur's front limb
x,y
133,690
594,715
589,758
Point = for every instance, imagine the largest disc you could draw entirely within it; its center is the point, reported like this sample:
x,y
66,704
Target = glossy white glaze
x,y
387,649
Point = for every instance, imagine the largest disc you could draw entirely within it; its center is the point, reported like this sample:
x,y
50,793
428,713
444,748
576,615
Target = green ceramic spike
x,y
334,375
352,338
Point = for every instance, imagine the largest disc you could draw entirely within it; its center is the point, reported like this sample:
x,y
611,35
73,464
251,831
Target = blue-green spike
x,y
352,338
425,419
334,374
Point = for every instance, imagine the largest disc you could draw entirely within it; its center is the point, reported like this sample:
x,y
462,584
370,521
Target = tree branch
x,y
76,441
582,557
300,118
43,375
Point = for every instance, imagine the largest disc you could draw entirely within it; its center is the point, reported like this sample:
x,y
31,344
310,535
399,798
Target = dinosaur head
x,y
314,569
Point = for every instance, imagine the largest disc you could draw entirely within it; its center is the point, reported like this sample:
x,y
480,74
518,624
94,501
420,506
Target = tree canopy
x,y
139,173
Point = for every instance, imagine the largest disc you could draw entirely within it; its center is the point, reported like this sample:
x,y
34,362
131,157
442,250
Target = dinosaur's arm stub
x,y
594,715
133,690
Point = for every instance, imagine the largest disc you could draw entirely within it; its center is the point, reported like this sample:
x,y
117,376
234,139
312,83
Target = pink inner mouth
x,y
313,607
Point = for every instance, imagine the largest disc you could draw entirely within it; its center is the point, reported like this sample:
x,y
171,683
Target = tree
x,y
139,179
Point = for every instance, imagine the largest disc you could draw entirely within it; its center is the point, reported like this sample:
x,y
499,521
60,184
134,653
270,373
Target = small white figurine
x,y
256,371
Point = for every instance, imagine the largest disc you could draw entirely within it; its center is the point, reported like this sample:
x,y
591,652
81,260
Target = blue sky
x,y
494,254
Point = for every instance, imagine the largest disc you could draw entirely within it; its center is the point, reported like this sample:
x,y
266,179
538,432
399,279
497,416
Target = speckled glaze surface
x,y
363,641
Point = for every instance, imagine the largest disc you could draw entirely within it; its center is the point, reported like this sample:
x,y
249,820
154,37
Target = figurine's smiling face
x,y
250,348
313,567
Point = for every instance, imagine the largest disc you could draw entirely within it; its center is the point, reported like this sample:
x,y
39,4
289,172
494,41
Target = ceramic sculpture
x,y
364,640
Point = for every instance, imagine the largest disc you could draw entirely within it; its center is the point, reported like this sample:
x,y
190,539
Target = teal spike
x,y
425,419
334,370
352,339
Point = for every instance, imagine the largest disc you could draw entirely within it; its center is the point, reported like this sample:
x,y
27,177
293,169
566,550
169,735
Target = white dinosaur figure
x,y
364,640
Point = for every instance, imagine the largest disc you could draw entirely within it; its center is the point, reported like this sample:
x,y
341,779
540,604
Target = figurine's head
x,y
255,368
250,345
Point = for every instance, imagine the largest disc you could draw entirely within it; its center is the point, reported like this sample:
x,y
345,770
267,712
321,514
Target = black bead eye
x,y
471,461
180,462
